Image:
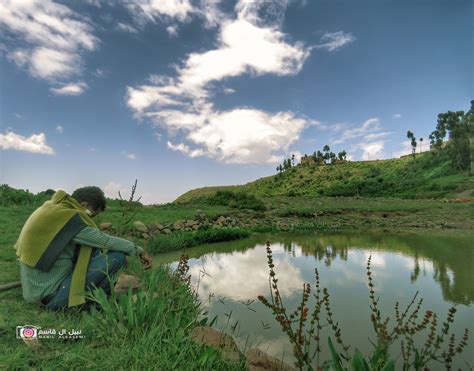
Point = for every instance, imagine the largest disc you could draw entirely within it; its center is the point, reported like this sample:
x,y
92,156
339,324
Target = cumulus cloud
x,y
35,143
397,116
183,102
405,149
59,129
70,89
332,41
52,35
372,150
112,189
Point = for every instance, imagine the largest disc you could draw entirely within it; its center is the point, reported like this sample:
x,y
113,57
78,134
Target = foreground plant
x,y
304,329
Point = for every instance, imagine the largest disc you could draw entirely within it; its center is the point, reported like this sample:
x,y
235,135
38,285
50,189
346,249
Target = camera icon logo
x,y
27,332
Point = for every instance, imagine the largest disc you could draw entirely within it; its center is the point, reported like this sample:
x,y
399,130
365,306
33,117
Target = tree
x,y
293,159
327,155
320,158
470,125
411,136
459,128
342,156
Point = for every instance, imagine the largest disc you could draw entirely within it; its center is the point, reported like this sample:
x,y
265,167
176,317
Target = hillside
x,y
426,176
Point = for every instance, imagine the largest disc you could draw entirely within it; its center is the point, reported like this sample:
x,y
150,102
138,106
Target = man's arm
x,y
95,238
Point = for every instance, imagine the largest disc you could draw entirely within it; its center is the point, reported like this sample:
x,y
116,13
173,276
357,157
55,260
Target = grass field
x,y
425,176
133,334
122,337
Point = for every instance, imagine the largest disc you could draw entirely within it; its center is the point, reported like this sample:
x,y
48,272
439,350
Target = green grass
x,y
147,330
426,176
130,334
182,240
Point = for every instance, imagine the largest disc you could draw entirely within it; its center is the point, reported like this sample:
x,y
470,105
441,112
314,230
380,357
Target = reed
x,y
304,326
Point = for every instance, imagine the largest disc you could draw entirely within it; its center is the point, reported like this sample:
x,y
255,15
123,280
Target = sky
x,y
181,94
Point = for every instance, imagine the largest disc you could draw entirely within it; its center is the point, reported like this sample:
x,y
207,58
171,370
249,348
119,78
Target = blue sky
x,y
188,93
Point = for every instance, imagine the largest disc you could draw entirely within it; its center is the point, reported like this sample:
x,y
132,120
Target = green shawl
x,y
48,231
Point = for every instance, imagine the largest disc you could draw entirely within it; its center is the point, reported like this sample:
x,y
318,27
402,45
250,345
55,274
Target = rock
x,y
190,223
178,225
124,282
140,226
221,220
105,226
216,339
195,227
260,361
159,227
145,236
166,231
200,215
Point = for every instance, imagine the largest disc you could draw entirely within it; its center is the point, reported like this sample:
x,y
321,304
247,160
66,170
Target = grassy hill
x,y
425,176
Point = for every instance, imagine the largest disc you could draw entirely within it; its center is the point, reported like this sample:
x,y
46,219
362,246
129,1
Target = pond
x,y
229,277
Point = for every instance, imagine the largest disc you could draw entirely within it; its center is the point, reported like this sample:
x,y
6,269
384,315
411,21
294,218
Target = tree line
x,y
324,157
458,126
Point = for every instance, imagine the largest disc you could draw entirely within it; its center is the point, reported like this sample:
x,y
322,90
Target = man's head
x,y
92,198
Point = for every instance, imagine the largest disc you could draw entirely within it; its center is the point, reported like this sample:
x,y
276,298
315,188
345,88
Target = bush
x,y
238,200
11,196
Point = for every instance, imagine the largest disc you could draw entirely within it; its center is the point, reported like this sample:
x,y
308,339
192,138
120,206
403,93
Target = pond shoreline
x,y
284,215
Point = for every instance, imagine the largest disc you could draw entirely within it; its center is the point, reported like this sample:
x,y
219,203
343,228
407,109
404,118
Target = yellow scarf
x,y
47,232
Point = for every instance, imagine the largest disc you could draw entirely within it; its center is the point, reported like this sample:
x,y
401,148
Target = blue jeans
x,y
100,267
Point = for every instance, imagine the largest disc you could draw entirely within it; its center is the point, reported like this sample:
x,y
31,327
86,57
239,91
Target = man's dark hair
x,y
94,196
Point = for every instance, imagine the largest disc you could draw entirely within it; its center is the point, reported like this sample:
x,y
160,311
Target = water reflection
x,y
231,275
221,274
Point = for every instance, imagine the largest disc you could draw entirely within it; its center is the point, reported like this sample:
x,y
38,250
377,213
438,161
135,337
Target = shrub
x,y
11,196
238,200
304,327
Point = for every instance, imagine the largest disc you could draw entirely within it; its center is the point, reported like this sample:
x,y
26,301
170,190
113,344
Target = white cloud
x,y
112,189
405,149
70,89
228,90
241,135
397,116
224,274
129,155
59,129
172,30
372,150
126,27
183,148
153,10
335,40
54,37
372,136
366,129
35,143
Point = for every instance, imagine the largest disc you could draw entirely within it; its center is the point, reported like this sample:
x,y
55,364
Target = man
x,y
63,254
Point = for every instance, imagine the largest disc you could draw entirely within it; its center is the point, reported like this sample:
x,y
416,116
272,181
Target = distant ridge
x,y
425,176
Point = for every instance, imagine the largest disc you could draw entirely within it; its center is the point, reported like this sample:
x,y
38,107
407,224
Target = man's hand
x,y
146,260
